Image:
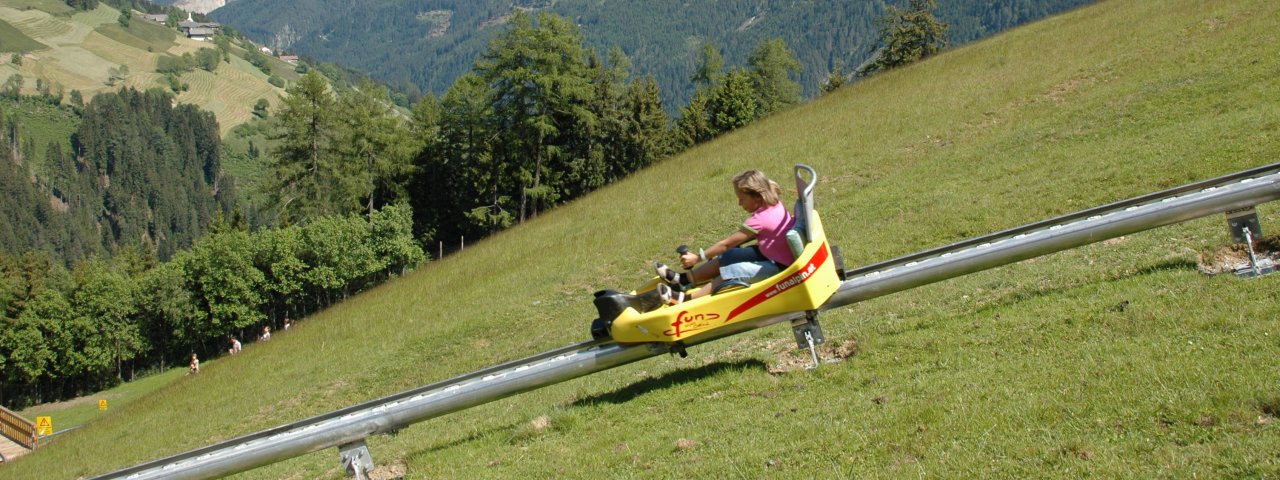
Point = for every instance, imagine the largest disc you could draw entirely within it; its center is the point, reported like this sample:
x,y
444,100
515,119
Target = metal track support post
x,y
808,333
356,459
1245,227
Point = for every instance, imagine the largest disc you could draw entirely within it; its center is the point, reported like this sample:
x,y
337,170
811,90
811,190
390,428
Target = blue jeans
x,y
746,263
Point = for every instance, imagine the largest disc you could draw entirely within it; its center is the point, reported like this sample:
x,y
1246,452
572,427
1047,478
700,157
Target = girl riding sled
x,y
726,260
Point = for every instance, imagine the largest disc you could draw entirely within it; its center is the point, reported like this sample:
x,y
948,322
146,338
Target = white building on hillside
x,y
203,31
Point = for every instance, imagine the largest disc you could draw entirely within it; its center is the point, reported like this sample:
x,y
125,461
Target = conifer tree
x,y
540,91
772,65
647,138
374,149
907,36
695,123
710,71
734,104
606,103
303,175
461,189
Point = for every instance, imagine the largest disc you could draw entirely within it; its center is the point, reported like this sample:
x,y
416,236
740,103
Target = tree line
x,y
66,332
127,251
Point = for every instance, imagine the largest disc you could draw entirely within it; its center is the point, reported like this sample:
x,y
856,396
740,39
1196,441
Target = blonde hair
x,y
754,182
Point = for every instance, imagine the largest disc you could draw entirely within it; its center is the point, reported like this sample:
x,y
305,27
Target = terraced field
x,y
13,40
118,53
84,48
7,70
56,7
47,29
243,66
97,17
229,93
142,35
73,67
185,45
143,81
68,63
237,103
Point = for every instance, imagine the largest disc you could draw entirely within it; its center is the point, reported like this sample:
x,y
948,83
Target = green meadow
x,y
1115,360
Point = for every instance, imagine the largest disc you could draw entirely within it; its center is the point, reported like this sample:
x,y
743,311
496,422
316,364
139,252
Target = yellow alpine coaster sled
x,y
640,316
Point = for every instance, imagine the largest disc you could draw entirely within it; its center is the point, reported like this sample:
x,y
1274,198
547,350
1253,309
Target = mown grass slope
x,y
79,50
1119,359
13,40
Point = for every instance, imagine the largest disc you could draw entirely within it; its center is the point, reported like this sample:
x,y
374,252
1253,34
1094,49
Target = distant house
x,y
292,59
154,17
203,34
265,49
194,30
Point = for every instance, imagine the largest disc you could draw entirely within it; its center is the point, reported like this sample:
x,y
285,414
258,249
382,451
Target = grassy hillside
x,y
77,50
1114,360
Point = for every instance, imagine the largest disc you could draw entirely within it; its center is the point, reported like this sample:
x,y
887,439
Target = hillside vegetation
x,y
1115,360
81,50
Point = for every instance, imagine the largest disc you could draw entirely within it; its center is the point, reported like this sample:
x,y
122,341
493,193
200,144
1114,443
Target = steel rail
x,y
391,413
1139,200
1177,205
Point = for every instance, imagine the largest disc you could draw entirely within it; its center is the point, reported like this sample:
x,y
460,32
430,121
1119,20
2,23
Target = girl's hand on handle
x,y
688,259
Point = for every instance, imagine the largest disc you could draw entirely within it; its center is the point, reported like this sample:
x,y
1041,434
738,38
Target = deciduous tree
x,y
103,299
225,284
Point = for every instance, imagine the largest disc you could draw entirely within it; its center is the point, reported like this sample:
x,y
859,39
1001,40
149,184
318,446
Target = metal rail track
x,y
1071,217
1195,200
347,428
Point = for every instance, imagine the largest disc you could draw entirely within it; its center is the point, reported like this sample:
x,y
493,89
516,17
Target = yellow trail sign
x,y
44,426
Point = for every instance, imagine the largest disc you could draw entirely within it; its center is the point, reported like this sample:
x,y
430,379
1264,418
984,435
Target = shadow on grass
x,y
676,378
1031,292
1163,266
469,438
622,395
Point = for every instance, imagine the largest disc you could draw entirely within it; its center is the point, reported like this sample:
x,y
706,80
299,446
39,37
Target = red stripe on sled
x,y
801,276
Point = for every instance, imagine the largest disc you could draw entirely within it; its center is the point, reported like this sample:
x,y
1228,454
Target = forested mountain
x,y
428,44
139,171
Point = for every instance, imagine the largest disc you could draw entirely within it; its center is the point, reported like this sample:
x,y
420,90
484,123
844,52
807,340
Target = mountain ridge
x,y
393,43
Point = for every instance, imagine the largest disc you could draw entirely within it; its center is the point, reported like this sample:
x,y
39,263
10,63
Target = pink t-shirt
x,y
770,225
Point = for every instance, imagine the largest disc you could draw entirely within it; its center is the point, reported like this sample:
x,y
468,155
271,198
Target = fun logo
x,y
690,322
